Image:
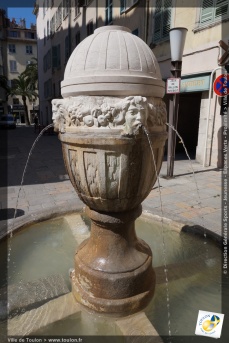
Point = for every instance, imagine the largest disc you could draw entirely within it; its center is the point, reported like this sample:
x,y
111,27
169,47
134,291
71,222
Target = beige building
x,y
63,24
18,48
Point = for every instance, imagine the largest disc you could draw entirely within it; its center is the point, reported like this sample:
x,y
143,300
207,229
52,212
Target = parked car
x,y
7,121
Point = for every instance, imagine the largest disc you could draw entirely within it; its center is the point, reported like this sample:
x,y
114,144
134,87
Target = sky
x,y
19,10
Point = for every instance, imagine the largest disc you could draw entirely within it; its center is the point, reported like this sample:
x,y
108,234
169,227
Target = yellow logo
x,y
208,325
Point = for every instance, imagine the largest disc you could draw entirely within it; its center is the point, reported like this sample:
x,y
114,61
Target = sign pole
x,y
173,120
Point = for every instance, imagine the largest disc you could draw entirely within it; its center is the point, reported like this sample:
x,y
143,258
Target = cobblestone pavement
x,y
186,198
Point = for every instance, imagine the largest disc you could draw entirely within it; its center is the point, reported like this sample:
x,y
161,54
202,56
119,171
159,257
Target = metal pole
x,y
173,119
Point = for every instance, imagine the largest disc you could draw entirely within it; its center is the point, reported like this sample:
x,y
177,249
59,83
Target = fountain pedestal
x,y
113,268
106,102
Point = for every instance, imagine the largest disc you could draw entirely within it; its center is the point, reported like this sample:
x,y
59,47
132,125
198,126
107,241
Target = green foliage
x,y
25,88
31,72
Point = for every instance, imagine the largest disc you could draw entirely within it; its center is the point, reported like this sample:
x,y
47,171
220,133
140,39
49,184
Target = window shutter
x,y
166,24
221,8
58,55
157,20
122,5
54,56
207,11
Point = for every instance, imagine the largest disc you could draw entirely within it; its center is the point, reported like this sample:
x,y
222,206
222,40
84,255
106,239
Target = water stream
x,y
21,184
195,181
163,235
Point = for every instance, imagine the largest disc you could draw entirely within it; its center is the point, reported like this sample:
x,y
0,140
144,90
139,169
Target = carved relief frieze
x,y
113,165
91,173
127,114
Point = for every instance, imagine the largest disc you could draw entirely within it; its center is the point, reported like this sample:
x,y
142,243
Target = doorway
x,y
188,122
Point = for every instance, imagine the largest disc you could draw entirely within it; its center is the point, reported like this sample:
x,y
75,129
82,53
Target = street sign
x,y
173,85
221,85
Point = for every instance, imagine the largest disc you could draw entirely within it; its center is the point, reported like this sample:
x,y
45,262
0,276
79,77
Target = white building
x,y
63,24
19,47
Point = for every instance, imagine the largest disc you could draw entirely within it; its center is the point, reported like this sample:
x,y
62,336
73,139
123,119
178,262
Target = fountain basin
x,y
194,277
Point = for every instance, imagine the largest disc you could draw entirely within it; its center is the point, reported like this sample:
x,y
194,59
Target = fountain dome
x,y
112,61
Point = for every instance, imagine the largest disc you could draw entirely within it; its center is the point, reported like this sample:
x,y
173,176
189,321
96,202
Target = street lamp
x,y
177,41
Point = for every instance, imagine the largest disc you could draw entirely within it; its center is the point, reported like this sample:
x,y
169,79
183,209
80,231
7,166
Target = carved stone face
x,y
135,117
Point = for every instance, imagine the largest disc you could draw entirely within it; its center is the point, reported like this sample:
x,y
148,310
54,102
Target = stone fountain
x,y
112,87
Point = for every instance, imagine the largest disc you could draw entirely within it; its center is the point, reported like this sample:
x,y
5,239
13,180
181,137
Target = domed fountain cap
x,y
112,61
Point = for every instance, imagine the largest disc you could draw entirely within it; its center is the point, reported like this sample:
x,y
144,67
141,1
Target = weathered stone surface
x,y
111,123
114,274
25,296
137,328
112,61
31,321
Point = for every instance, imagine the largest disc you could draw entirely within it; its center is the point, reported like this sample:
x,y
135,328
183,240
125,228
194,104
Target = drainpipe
x,y
208,117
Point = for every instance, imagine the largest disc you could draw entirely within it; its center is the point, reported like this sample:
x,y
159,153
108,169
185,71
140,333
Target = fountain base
x,y
113,268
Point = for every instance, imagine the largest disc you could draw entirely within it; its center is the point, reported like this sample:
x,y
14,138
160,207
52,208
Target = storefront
x,y
193,96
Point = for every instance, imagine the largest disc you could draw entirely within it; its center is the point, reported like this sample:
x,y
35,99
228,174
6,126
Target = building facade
x,y
18,49
63,24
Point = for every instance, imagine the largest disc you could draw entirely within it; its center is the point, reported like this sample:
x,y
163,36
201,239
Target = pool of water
x,y
193,268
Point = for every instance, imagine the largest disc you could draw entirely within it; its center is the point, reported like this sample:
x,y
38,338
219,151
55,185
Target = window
x,y
135,32
30,35
162,19
14,34
29,49
15,101
108,12
48,89
67,49
90,28
77,38
13,66
213,11
125,4
65,8
52,25
53,90
59,16
12,48
77,8
48,28
56,56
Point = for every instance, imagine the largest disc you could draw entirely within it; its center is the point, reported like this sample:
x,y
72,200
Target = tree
x,y
31,72
24,87
4,84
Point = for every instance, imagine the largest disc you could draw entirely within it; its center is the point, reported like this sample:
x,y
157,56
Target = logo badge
x,y
209,324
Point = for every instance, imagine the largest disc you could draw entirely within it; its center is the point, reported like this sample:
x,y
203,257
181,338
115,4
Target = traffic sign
x,y
221,85
173,85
